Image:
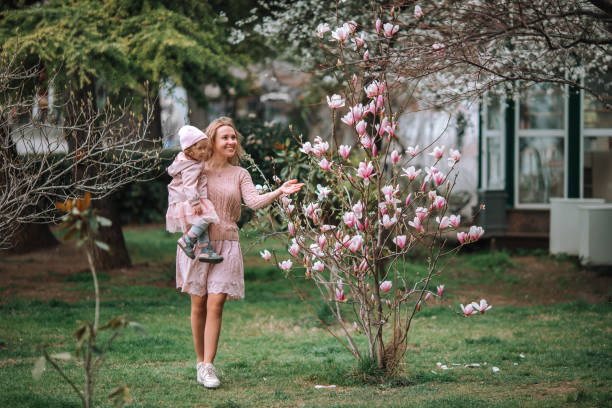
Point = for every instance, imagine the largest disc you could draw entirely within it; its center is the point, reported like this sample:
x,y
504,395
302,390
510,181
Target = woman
x,y
209,285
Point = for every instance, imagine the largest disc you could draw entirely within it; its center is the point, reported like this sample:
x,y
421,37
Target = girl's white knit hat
x,y
190,135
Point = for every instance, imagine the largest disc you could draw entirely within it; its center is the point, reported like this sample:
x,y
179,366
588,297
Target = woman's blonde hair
x,y
211,132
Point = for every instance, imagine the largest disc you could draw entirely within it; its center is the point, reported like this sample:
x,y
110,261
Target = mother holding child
x,y
204,201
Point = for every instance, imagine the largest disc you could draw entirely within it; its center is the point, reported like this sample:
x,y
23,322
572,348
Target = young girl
x,y
188,204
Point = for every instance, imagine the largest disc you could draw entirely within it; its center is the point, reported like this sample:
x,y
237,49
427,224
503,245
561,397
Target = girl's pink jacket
x,y
187,183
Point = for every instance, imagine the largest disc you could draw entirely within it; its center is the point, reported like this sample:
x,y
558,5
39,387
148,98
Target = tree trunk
x,y
32,237
26,237
118,256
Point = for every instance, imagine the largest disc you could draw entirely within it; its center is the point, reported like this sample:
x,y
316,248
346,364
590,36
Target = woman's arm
x,y
254,200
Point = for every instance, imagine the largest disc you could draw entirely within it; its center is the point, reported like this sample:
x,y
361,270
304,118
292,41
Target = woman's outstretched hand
x,y
290,187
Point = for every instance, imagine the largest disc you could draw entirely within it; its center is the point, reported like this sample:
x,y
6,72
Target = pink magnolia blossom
x,y
438,48
418,306
400,241
468,310
372,298
462,237
286,201
316,250
418,13
348,119
351,26
327,227
421,213
438,178
383,208
437,152
340,295
365,171
408,199
482,307
361,128
388,302
356,327
439,203
265,254
285,265
395,157
413,151
375,88
355,243
455,220
354,80
306,148
291,228
318,266
475,233
322,240
344,151
366,55
311,210
322,29
416,224
386,286
428,296
359,41
444,222
335,102
363,265
454,157
357,111
349,219
290,208
390,29
432,195
322,192
325,164
411,172
320,147
358,209
378,25
374,150
389,192
294,249
379,103
341,33
388,222
440,289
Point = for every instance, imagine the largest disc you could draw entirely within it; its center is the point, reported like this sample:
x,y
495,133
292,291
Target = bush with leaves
x,y
80,222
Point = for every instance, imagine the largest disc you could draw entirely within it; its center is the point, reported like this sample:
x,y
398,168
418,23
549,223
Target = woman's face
x,y
225,142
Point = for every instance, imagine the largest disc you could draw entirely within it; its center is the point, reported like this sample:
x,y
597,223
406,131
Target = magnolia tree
x,y
513,44
367,207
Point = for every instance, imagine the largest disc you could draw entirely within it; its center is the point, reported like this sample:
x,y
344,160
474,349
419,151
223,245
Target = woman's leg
x,y
214,312
198,322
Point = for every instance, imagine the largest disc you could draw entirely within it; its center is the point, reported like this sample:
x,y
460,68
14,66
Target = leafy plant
x,y
82,223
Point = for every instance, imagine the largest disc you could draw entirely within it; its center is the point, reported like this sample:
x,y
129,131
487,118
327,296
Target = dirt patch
x,y
535,280
539,280
46,274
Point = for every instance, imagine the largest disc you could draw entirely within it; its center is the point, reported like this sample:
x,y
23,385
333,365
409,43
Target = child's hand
x,y
198,209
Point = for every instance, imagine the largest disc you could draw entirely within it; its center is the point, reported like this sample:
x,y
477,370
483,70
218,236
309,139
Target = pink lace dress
x,y
227,189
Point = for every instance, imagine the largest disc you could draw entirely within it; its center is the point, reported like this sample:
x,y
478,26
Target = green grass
x,y
272,352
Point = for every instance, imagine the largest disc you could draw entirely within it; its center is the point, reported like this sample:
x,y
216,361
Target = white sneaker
x,y
207,375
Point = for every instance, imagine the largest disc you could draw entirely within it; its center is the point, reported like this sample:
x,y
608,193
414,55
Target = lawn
x,y
548,333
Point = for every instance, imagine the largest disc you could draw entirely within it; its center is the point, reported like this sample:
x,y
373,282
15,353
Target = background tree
x,y
118,46
485,44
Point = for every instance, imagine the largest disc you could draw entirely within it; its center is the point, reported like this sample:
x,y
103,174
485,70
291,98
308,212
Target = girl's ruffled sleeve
x,y
250,195
190,176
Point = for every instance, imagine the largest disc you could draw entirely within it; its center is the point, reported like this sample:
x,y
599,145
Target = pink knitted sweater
x,y
226,189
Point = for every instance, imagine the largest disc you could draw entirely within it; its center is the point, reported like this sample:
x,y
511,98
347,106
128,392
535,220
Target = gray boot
x,y
186,243
206,252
